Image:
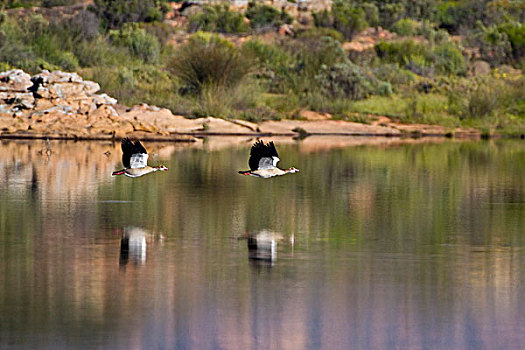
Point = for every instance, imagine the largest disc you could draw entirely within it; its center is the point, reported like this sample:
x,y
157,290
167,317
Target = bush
x,y
422,59
318,33
83,26
343,80
65,60
347,19
516,35
291,65
344,17
410,27
322,19
114,13
218,18
100,52
406,27
401,52
208,60
484,100
371,14
140,43
449,59
384,89
390,13
392,73
265,16
494,45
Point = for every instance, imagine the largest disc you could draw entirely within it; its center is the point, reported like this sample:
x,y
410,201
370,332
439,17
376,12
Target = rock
x,y
90,87
15,80
18,99
479,68
509,70
46,77
286,29
104,99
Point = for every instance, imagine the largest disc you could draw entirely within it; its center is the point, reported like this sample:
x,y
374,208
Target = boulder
x,y
17,100
46,77
479,68
15,80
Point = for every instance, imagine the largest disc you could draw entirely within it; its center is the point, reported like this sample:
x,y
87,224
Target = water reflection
x,y
416,246
133,245
262,247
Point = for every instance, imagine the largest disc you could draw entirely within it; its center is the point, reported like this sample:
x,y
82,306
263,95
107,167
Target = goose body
x,y
263,161
135,160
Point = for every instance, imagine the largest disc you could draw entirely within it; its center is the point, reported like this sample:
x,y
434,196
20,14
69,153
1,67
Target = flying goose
x,y
135,160
263,161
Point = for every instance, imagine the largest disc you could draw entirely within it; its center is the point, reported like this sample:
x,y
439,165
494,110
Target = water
x,y
414,245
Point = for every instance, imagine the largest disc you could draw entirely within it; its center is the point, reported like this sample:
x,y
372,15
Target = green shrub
x,y
344,17
322,19
410,27
406,27
422,59
265,16
494,45
291,65
161,31
319,32
401,52
483,101
100,52
268,55
84,25
140,43
384,89
392,73
114,13
66,61
343,80
390,13
449,59
371,14
347,19
208,60
515,32
218,18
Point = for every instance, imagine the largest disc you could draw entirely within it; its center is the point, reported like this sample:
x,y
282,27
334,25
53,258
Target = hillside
x,y
455,64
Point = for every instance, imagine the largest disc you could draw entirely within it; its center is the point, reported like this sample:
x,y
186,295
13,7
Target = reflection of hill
x,y
64,170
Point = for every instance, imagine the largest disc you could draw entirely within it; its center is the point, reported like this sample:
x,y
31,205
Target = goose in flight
x,y
135,160
263,161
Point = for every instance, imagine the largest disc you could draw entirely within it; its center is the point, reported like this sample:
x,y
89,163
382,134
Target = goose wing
x,y
134,155
263,156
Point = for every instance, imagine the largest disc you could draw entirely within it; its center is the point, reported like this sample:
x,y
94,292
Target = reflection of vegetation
x,y
407,215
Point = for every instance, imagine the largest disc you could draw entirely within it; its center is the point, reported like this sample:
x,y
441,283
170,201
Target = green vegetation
x,y
231,63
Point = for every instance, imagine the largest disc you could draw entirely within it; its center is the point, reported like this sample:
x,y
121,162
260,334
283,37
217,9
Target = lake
x,y
375,244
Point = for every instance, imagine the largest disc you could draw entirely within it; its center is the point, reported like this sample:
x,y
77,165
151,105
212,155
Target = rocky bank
x,y
61,105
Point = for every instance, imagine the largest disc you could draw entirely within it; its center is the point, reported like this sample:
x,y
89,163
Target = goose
x,y
135,160
263,161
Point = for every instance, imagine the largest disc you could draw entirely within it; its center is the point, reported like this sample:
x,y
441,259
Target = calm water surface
x,y
405,246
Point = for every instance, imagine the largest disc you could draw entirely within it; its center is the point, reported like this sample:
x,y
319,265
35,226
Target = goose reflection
x,y
262,246
133,245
